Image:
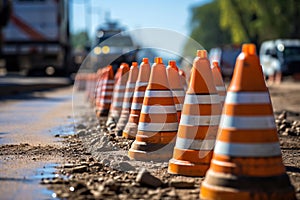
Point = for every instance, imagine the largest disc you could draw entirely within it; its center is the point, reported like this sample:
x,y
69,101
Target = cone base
x,y
158,156
130,131
187,168
151,152
227,186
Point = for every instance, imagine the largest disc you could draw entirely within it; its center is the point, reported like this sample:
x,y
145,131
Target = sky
x,y
173,15
169,14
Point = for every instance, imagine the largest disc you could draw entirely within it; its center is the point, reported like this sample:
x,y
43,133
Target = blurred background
x,y
53,37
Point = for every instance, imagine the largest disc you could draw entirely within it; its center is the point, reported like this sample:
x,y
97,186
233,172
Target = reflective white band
x,y
104,93
221,88
201,99
120,87
117,104
140,84
197,120
138,94
105,101
248,98
248,150
185,143
136,106
158,109
119,94
128,94
252,123
178,93
130,85
158,93
105,87
126,105
143,126
222,98
178,107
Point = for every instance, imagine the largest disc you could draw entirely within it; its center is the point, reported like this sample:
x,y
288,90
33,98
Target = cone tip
x,y
172,64
249,49
145,60
158,60
134,64
202,53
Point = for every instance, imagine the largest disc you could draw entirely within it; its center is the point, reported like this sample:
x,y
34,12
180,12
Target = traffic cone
x,y
216,71
130,129
107,85
133,75
199,122
183,81
158,119
118,96
247,162
176,87
91,86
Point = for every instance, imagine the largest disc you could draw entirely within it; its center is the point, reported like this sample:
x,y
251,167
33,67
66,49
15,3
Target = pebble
x,y
79,169
188,184
145,178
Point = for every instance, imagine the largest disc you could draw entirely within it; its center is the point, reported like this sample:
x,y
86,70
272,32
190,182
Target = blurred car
x,y
281,55
226,56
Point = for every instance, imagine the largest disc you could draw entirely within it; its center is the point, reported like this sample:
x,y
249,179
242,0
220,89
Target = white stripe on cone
x,y
201,99
248,98
136,106
248,150
193,144
158,93
156,127
158,109
248,122
197,120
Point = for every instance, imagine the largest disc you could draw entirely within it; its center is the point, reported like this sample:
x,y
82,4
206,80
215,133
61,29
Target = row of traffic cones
x,y
237,149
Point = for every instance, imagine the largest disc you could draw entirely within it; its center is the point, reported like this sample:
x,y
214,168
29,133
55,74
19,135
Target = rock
x,y
125,166
283,115
105,162
182,184
79,169
145,178
80,126
81,132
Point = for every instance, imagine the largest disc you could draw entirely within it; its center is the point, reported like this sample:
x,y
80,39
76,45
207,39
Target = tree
x,y
205,27
255,20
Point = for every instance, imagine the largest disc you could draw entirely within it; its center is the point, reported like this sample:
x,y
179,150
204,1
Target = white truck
x,y
280,56
37,37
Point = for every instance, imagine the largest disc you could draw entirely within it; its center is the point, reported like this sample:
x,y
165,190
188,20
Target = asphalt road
x,y
31,119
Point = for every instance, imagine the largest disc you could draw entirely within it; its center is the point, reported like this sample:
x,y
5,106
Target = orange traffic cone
x,y
216,70
158,119
183,81
247,162
118,96
107,85
133,74
176,87
130,129
199,122
91,86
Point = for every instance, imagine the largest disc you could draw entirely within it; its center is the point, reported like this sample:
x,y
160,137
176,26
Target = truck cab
x,y
281,55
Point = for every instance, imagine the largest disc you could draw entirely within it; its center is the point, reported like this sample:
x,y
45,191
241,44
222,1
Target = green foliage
x,y
205,26
238,21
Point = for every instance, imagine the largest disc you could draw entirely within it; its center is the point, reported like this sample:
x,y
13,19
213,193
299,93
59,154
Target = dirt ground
x,y
93,164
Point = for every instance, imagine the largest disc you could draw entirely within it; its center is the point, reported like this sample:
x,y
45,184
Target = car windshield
x,y
292,52
118,41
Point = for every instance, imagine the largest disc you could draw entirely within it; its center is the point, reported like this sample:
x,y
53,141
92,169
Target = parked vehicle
x,y
112,46
226,56
37,38
281,56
